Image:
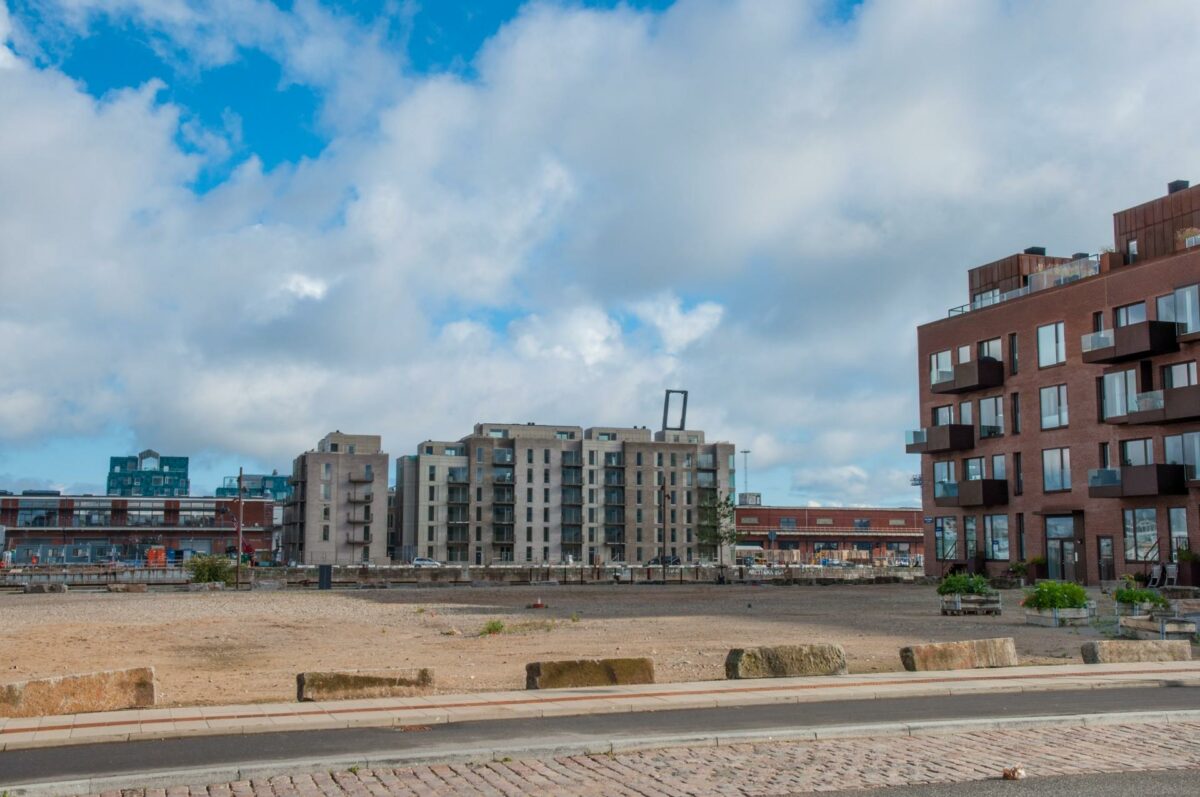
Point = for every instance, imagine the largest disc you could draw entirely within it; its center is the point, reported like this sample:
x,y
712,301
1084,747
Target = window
x,y
787,523
1105,456
945,535
1137,452
990,348
1183,449
1133,250
1012,353
942,472
564,435
940,369
1118,394
1052,344
995,538
1179,375
1018,477
970,536
429,450
943,416
965,415
991,417
1130,314
325,533
1141,535
545,456
998,469
1177,520
1183,307
1056,470
1191,240
529,455
1054,407
326,470
964,354
325,491
1016,413
973,469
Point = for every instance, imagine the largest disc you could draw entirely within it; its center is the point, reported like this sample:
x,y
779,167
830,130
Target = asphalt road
x,y
69,763
1172,783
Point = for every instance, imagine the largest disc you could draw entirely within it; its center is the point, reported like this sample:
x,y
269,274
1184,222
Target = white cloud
x,y
465,249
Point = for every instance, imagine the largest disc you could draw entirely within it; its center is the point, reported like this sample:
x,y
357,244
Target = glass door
x,y
1105,560
1060,548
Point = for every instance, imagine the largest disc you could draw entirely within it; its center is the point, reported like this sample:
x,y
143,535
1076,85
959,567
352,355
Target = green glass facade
x,y
148,474
256,485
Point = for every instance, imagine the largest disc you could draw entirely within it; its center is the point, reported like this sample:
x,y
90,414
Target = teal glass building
x,y
148,474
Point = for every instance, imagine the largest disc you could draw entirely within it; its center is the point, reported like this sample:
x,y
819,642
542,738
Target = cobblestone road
x,y
757,769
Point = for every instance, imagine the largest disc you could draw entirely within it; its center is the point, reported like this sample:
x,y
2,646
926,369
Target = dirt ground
x,y
212,648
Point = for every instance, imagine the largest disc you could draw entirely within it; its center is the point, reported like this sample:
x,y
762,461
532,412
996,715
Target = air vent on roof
x,y
1036,250
1177,185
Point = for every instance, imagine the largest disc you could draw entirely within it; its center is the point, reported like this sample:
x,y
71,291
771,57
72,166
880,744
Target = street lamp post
x,y
240,519
662,500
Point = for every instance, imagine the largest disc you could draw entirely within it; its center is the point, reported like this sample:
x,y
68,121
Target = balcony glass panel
x,y
502,475
945,490
502,456
572,535
706,461
1104,477
988,430
614,477
572,477
916,437
614,459
572,495
706,480
572,459
1150,400
458,475
1104,339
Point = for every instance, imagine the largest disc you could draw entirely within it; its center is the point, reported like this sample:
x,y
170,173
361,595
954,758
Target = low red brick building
x,y
816,534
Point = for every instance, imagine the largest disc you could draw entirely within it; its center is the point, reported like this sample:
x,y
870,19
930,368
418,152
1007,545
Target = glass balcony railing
x,y
1104,477
937,377
1047,278
614,460
945,490
916,437
706,462
1150,400
502,456
1104,339
988,430
503,475
572,459
457,476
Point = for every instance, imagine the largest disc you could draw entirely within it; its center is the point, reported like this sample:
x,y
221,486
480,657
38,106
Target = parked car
x,y
424,561
659,561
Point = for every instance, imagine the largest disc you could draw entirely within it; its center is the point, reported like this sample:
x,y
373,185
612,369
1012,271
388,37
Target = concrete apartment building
x,y
549,494
338,510
1061,409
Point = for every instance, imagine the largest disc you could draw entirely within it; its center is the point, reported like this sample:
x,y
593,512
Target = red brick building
x,y
814,534
1060,409
57,528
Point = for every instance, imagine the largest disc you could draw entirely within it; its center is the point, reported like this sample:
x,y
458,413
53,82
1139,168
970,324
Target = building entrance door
x,y
1105,560
1060,548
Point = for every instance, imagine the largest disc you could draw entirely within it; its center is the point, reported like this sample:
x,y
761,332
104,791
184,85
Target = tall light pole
x,y
240,519
746,467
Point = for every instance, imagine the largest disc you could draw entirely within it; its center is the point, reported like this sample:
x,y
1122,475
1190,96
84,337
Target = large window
x,y
973,468
995,537
1056,470
1052,344
970,537
998,469
940,368
1141,535
990,348
1131,314
1183,307
943,416
965,415
991,416
945,536
1054,407
1119,393
1183,449
1137,452
1179,375
1177,517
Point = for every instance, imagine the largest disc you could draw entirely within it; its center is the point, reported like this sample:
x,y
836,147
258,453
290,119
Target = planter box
x,y
1162,628
1054,618
971,604
1134,609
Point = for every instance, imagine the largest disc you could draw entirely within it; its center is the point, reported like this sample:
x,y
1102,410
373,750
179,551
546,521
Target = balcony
x,y
706,462
458,495
458,476
614,478
572,496
980,374
614,536
503,475
351,517
615,517
935,439
614,460
572,459
359,498
614,495
502,535
974,492
502,456
354,539
572,535
458,536
502,515
362,476
1137,481
1145,339
572,476
1166,406
504,495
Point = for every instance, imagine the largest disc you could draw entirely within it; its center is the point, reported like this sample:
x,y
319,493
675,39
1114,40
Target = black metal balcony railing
x,y
980,374
973,492
1132,342
1134,481
935,439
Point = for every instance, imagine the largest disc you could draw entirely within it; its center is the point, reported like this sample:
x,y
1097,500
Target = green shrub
x,y
1018,569
1055,595
1133,595
962,584
204,568
492,627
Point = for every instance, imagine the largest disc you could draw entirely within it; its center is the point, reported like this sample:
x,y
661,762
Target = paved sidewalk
x,y
756,769
119,726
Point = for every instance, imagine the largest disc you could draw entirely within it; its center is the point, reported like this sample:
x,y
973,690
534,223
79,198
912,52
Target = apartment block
x,y
338,510
1060,408
148,474
529,493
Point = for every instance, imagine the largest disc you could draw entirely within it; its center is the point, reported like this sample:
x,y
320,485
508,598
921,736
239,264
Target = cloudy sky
x,y
229,226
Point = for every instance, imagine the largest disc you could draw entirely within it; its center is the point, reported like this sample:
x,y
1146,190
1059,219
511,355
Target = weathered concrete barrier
x,y
1152,628
206,586
269,584
966,655
786,661
40,589
111,690
128,588
588,672
351,684
1120,651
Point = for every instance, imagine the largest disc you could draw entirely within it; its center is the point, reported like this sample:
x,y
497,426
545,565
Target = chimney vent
x,y
1036,250
1177,185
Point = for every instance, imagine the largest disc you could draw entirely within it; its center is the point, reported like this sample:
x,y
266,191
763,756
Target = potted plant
x,y
1019,570
1036,568
968,594
1134,601
1056,603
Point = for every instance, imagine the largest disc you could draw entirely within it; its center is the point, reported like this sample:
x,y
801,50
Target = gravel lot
x,y
230,648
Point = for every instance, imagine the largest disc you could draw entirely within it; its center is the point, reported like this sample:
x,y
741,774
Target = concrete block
x,y
269,584
128,588
786,661
206,586
353,684
588,672
1121,651
966,655
41,589
111,690
1150,628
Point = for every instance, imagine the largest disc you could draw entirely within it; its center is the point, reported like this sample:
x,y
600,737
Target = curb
x,y
160,779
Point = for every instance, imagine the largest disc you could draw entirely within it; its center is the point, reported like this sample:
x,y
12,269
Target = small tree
x,y
204,568
717,524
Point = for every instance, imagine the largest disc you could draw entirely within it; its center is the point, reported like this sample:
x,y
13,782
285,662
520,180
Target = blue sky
x,y
235,226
